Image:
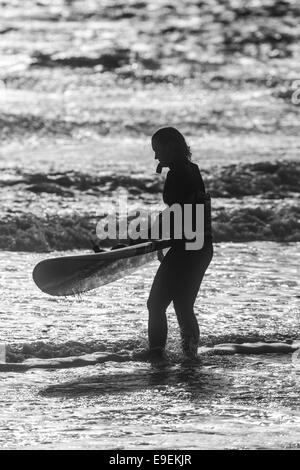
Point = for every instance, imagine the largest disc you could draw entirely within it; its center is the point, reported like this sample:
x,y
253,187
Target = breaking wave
x,y
269,179
274,215
24,356
32,233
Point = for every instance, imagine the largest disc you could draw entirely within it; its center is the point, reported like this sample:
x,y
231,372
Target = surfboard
x,y
70,275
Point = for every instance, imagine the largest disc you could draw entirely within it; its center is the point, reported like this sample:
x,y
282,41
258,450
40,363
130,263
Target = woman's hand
x,y
160,255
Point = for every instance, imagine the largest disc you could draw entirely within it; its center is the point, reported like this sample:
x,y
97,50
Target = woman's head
x,y
170,146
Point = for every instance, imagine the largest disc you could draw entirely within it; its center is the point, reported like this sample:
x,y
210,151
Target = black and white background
x,y
83,86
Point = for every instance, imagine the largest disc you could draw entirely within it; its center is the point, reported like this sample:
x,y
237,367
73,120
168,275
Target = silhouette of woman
x,y
181,271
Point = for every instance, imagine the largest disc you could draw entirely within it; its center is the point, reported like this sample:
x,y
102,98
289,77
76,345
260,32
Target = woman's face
x,y
163,152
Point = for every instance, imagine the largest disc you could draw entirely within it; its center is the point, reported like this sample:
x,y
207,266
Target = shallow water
x,y
255,282
250,293
241,403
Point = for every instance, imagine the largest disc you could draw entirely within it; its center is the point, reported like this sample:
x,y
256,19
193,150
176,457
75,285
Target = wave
x,y
32,233
22,357
29,232
271,33
142,124
274,214
277,223
24,124
273,180
109,60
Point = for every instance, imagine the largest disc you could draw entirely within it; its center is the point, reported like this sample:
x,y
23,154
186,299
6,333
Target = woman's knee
x,y
153,305
160,297
182,302
150,304
157,306
184,310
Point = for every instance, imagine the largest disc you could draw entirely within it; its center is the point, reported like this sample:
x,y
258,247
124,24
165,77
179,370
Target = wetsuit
x,y
180,273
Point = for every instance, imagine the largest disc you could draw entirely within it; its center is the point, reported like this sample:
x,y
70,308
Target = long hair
x,y
172,135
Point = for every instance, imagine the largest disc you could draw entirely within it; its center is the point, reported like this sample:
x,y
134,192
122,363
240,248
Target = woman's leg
x,y
187,320
194,266
161,295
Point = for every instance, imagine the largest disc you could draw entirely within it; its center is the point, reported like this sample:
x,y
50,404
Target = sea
x,y
83,86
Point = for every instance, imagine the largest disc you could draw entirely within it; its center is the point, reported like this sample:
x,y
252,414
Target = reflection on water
x,y
251,292
190,378
221,404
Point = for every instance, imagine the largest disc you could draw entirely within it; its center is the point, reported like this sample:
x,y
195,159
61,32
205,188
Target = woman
x,y
181,271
